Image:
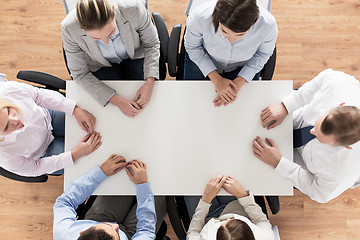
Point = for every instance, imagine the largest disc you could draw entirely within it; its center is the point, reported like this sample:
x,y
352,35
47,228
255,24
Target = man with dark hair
x,y
326,113
110,217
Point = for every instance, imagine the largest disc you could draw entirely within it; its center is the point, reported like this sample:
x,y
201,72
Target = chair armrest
x,y
13,176
49,81
268,70
274,204
174,217
173,50
163,34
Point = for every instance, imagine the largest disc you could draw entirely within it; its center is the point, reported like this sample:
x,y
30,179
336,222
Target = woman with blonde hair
x,y
32,126
112,40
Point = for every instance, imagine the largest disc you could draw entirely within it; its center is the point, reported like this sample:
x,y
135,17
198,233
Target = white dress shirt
x,y
319,170
114,51
252,216
21,151
211,51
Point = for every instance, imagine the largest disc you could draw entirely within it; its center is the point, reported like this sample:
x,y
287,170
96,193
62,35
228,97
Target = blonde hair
x,y
7,104
94,14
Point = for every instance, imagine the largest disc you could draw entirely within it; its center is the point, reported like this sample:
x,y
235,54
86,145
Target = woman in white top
x,y
240,219
32,126
228,42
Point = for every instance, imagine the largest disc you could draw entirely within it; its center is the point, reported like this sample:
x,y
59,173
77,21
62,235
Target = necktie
x,y
302,136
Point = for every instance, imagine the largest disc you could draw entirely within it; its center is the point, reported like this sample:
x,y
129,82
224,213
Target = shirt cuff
x,y
67,161
107,101
98,174
247,73
206,66
290,103
143,189
247,200
284,167
203,204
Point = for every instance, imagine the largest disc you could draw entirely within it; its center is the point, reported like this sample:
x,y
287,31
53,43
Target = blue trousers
x,y
57,146
192,71
129,69
217,205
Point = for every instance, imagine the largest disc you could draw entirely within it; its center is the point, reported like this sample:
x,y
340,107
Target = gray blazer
x,y
84,56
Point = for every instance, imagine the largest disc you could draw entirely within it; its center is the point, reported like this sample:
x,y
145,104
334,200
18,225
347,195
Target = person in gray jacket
x,y
112,40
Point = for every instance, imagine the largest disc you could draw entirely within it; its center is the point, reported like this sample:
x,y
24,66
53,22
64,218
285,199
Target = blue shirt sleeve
x,y
145,213
77,192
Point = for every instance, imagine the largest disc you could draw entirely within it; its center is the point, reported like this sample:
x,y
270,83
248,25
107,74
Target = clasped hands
x,y
227,89
131,108
228,183
135,169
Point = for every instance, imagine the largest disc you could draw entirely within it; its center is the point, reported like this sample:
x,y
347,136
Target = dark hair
x,y
237,15
235,230
95,234
344,123
94,14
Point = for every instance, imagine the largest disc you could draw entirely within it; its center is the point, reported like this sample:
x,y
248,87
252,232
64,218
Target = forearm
x,y
198,221
315,187
145,212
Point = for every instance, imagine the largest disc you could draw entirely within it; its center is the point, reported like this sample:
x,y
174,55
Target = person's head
x,y
9,117
234,17
101,231
97,18
338,127
234,229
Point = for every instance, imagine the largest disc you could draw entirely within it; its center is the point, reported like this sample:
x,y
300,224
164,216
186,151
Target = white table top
x,y
183,138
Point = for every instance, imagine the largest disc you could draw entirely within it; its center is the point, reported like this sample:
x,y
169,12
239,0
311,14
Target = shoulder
x,y
128,6
201,15
70,21
333,77
266,20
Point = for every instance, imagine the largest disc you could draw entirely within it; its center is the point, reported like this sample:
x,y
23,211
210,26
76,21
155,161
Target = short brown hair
x,y
94,14
95,234
344,123
237,15
235,230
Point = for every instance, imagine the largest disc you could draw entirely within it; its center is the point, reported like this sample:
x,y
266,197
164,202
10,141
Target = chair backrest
x,y
194,3
71,4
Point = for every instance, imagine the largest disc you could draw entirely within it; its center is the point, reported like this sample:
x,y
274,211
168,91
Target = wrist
x,y
206,199
242,194
115,100
75,154
150,80
76,108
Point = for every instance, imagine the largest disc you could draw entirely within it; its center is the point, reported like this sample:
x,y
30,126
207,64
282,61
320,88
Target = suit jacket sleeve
x,y
76,61
149,42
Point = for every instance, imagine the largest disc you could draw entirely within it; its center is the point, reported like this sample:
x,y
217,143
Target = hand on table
x,y
136,170
85,119
143,95
232,186
273,115
127,107
239,82
113,164
212,188
87,145
267,152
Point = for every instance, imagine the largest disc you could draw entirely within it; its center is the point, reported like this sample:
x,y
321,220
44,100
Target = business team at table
x,y
227,42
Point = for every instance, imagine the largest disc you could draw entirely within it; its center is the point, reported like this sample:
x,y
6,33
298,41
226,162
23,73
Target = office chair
x,y
85,206
180,220
71,4
49,82
176,59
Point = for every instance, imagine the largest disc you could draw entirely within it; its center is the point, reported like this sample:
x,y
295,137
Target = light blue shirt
x,y
114,51
66,226
211,51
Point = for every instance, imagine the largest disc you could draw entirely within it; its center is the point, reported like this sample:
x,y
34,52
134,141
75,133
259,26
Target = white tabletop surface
x,y
183,138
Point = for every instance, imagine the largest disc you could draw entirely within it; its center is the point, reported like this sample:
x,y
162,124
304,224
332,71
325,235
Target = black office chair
x,y
180,220
47,81
85,206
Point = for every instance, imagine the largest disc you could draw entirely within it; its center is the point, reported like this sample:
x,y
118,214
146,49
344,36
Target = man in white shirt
x,y
329,164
